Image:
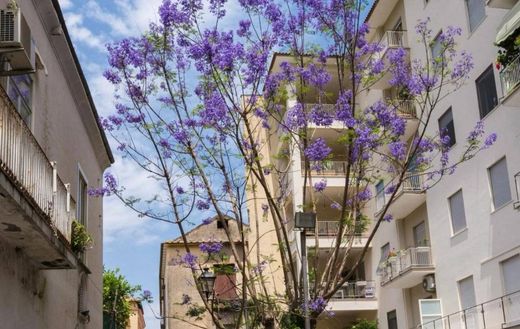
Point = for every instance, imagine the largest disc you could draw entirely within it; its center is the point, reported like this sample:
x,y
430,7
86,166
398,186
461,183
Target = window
x,y
510,269
486,92
430,310
385,251
380,195
436,47
225,282
476,12
499,181
82,200
457,213
419,235
391,318
19,91
447,127
467,293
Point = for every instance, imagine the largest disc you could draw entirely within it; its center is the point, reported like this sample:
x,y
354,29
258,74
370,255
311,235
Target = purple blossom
x,y
179,190
318,150
202,205
207,221
317,305
490,140
320,186
211,247
364,195
189,260
335,205
398,150
388,218
147,294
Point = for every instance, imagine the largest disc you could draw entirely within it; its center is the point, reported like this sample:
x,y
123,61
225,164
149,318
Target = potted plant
x,y
80,240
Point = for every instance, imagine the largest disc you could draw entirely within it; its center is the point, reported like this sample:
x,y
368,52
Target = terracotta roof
x,y
210,232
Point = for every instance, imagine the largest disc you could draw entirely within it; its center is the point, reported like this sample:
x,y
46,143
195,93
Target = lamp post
x,y
304,221
207,282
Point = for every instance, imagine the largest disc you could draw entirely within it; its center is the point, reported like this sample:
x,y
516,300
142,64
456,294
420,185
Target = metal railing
x,y
510,76
328,168
327,108
412,183
393,39
404,261
24,162
490,314
356,289
330,228
407,109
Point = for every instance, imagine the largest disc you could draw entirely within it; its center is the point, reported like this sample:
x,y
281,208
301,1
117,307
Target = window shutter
x,y
499,181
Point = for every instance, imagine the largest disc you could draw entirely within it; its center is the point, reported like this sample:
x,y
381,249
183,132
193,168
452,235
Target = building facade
x,y
52,150
454,247
179,298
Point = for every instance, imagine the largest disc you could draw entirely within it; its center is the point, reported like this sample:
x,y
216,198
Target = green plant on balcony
x,y
509,50
80,240
364,324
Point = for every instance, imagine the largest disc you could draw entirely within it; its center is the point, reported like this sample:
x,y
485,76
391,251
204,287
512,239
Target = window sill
x,y
459,232
491,112
505,205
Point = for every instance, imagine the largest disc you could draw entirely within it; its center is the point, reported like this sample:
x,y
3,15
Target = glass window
x,y
436,47
419,235
82,200
499,181
19,91
385,251
467,293
457,213
486,92
476,12
380,195
430,310
447,127
510,271
391,317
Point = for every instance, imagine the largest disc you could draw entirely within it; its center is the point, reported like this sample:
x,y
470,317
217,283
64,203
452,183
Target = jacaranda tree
x,y
182,117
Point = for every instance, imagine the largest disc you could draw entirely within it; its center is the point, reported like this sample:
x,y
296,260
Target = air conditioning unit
x,y
16,41
428,283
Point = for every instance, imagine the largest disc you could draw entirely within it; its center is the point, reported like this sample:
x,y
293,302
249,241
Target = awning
x,y
510,24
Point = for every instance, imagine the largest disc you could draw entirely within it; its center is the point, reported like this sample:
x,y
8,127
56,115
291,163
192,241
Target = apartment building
x,y
52,150
179,298
136,320
452,251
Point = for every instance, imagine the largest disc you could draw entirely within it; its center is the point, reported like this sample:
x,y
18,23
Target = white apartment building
x,y
460,238
452,253
52,150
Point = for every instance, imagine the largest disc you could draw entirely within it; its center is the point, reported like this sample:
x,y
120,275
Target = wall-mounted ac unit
x,y
429,283
15,40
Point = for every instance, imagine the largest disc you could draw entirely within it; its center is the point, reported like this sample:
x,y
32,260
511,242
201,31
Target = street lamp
x,y
207,282
304,221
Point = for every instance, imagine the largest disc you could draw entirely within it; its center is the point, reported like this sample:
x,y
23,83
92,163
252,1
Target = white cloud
x,y
65,4
102,92
82,34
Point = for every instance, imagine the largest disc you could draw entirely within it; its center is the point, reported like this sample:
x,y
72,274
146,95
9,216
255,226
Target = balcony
x,y
390,40
502,312
407,110
354,296
510,79
408,198
327,232
329,168
35,206
503,4
407,268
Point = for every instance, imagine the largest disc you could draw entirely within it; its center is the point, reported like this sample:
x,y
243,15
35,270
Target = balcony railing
x,y
327,108
491,314
328,168
356,289
25,164
404,261
393,39
510,76
413,183
330,228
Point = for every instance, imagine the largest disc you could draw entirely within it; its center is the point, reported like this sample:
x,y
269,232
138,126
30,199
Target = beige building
x,y
52,150
136,320
178,294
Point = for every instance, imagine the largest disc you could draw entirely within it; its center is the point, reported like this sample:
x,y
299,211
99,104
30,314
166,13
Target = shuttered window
x,y
457,213
476,13
499,181
467,293
486,92
447,126
510,271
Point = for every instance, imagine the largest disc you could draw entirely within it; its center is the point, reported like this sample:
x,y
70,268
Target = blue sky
x,y
130,243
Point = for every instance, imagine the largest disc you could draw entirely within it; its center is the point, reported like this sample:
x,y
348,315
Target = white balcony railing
x,y
327,108
413,183
25,164
510,76
393,39
330,228
405,260
356,289
328,168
